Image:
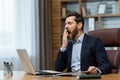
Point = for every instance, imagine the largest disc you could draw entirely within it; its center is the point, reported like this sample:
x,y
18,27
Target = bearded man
x,y
79,51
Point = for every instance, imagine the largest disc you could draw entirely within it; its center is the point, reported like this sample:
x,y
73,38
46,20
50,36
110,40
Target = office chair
x,y
110,38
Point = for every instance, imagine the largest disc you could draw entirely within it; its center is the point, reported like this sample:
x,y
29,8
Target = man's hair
x,y
78,17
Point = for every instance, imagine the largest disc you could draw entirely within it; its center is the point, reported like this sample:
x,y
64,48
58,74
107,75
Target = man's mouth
x,y
69,35
68,32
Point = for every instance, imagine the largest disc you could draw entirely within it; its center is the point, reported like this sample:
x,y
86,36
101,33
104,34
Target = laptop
x,y
27,64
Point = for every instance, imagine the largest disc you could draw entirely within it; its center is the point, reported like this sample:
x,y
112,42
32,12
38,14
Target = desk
x,y
21,75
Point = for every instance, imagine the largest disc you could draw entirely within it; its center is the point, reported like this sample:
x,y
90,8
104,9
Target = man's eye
x,y
70,23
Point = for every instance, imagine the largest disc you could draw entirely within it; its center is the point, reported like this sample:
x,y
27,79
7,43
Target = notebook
x,y
27,64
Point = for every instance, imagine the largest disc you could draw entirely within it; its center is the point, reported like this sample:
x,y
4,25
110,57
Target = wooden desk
x,y
20,75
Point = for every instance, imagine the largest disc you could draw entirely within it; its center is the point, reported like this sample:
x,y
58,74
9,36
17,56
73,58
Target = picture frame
x,y
102,8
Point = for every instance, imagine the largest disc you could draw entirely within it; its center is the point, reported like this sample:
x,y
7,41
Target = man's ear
x,y
80,25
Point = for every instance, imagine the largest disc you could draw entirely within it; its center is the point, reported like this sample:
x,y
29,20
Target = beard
x,y
72,35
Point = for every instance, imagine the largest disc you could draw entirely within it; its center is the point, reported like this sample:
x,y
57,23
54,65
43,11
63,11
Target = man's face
x,y
71,27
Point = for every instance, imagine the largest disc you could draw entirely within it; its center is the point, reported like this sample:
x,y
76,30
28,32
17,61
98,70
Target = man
x,y
79,51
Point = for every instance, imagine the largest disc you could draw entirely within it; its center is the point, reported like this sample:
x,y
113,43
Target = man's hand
x,y
92,70
64,39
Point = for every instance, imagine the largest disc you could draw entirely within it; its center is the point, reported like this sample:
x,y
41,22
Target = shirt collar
x,y
80,39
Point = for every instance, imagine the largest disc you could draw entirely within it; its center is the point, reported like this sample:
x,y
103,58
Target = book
x,y
67,74
91,24
119,6
83,11
73,73
63,12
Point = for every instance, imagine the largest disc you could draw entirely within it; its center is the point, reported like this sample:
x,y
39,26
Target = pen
x,y
8,68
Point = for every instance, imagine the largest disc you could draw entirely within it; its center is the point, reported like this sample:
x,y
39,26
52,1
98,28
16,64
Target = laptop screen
x,y
25,60
27,64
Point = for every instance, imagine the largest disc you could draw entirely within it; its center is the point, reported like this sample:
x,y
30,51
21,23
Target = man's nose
x,y
66,26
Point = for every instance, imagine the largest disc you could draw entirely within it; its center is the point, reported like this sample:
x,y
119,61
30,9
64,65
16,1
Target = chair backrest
x,y
110,38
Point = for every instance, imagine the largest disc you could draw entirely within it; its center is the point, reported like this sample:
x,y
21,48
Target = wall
x,y
55,28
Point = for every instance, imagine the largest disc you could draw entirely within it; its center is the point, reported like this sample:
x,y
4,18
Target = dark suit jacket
x,y
92,54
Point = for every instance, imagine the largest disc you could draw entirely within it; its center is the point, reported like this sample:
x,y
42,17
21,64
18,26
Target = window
x,y
17,30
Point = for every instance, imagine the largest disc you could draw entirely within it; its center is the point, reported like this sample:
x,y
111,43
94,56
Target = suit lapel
x,y
70,54
83,48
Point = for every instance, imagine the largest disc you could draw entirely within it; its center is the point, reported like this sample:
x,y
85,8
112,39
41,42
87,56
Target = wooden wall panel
x,y
55,28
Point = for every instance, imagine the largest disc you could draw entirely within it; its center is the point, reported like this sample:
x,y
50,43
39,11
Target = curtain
x,y
45,34
18,30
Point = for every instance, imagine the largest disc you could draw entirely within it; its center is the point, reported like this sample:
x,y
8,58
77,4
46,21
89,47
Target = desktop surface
x,y
21,75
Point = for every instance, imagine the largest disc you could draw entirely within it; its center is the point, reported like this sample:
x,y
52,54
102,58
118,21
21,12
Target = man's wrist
x,y
99,71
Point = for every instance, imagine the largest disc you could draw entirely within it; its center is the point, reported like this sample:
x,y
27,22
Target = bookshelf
x,y
89,10
109,19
